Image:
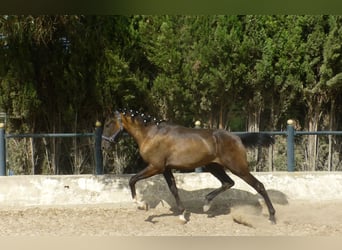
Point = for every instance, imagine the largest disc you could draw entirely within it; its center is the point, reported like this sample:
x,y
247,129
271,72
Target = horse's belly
x,y
190,157
180,153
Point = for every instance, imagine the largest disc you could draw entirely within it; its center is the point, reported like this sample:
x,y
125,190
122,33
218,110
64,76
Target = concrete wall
x,y
113,189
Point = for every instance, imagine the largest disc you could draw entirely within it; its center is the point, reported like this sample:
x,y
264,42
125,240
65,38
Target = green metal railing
x,y
290,133
97,135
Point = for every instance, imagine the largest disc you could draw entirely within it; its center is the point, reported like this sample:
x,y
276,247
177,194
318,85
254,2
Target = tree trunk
x,y
33,153
314,115
253,121
312,145
221,122
274,114
76,163
270,159
332,126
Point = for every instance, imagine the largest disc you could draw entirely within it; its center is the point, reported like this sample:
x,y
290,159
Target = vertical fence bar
x,y
290,146
2,150
98,149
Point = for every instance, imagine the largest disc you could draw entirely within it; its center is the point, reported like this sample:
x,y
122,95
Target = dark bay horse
x,y
165,147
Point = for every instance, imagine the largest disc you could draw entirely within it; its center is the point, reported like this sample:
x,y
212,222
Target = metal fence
x,y
97,135
290,134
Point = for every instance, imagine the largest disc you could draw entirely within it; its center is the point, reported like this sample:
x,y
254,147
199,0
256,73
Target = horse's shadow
x,y
194,201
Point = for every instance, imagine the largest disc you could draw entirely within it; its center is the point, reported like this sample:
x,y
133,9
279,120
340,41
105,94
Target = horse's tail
x,y
250,140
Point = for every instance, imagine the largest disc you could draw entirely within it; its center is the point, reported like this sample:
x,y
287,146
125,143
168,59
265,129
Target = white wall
x,y
113,189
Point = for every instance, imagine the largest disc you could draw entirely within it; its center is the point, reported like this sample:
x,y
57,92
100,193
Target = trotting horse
x,y
165,147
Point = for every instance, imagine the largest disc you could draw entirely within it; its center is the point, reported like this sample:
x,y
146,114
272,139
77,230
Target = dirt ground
x,y
296,218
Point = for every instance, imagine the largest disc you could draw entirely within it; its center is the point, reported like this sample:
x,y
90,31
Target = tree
x,y
60,58
331,77
60,73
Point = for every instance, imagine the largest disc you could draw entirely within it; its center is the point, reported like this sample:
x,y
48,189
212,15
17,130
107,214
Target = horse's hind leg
x,y
259,187
236,162
219,172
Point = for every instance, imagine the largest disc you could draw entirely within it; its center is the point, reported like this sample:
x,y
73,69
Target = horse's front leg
x,y
170,179
147,172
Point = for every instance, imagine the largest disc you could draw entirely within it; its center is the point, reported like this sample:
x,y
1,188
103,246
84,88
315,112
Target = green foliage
x,y
18,160
61,73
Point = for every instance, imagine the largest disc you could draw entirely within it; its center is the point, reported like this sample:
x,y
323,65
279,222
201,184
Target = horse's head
x,y
131,121
111,129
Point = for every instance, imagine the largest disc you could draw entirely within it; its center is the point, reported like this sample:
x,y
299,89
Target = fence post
x,y
290,146
98,149
2,150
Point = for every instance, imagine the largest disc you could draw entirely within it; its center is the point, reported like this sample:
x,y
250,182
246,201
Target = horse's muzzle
x,y
107,145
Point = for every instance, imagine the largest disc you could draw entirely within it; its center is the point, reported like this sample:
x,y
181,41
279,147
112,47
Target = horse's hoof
x,y
182,218
142,205
272,220
206,207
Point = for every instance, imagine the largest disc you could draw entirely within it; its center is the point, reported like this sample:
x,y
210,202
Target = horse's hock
x,y
113,189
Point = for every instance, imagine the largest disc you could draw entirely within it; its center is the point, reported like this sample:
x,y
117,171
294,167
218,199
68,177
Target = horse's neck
x,y
137,132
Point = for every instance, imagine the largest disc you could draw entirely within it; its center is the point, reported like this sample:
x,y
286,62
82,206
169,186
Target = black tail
x,y
250,140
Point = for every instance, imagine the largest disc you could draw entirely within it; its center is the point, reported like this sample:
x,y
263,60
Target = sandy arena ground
x,y
237,218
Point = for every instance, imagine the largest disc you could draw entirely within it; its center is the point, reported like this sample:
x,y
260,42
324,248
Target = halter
x,y
111,139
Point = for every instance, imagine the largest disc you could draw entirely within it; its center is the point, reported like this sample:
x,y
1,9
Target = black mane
x,y
141,117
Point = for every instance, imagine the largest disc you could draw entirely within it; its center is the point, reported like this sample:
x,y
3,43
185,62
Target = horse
x,y
165,146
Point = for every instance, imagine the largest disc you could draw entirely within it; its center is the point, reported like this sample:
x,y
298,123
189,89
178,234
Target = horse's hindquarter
x,y
179,147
